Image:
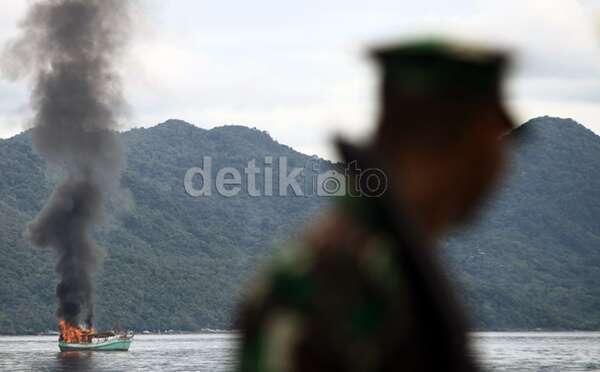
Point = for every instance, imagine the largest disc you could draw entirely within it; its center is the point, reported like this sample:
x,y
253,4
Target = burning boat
x,y
74,338
69,48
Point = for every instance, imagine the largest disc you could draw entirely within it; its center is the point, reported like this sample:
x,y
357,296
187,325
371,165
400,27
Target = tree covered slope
x,y
177,262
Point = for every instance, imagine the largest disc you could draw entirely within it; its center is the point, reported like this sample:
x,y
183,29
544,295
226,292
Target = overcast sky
x,y
300,69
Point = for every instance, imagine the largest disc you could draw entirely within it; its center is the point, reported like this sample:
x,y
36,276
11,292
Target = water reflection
x,y
65,361
74,361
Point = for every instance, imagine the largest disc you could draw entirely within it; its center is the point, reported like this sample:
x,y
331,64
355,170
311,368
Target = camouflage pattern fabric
x,y
342,303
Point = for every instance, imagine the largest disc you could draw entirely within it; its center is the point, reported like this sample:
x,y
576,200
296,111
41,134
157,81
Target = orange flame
x,y
74,334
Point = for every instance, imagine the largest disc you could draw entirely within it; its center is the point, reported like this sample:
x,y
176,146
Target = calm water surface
x,y
215,351
537,351
201,352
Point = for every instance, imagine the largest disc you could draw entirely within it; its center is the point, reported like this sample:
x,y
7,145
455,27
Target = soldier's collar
x,y
374,206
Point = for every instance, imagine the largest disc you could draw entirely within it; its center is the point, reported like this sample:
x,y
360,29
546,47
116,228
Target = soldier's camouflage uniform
x,y
356,305
371,297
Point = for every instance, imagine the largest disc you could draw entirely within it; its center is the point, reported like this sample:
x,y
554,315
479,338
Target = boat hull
x,y
113,345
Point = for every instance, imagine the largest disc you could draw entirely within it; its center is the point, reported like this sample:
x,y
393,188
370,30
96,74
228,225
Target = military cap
x,y
441,68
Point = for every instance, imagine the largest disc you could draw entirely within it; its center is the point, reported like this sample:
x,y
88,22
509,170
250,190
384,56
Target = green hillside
x,y
172,261
533,261
178,262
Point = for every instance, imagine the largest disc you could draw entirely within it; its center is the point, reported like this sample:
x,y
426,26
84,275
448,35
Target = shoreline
x,y
141,333
224,331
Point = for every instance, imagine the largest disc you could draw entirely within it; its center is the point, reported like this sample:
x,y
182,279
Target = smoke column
x,y
69,49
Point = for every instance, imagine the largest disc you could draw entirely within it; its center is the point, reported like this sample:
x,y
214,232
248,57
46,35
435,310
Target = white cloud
x,y
299,70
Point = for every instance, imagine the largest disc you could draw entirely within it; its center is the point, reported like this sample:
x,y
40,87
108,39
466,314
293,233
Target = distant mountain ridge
x,y
531,261
177,262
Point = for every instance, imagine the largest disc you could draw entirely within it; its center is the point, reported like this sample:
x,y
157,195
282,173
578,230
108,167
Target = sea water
x,y
527,351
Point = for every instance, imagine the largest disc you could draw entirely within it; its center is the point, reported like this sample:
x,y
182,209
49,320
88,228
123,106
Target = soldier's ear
x,y
505,119
493,119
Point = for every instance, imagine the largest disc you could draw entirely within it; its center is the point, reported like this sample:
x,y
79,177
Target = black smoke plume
x,y
69,49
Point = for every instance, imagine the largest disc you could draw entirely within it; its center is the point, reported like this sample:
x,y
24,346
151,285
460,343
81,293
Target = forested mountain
x,y
173,261
533,260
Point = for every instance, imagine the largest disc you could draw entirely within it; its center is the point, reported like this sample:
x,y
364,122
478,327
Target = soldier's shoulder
x,y
337,255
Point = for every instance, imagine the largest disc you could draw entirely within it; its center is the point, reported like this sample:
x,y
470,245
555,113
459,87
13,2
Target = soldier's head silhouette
x,y
440,125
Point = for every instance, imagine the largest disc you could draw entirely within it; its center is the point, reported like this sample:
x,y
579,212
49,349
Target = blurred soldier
x,y
362,290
